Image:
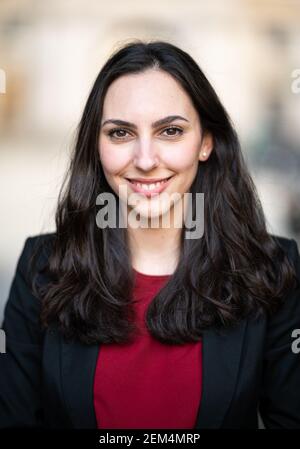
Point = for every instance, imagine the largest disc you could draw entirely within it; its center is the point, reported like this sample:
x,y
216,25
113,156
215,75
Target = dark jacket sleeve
x,y
20,365
280,396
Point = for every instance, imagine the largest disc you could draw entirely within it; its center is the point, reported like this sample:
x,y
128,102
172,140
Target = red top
x,y
147,384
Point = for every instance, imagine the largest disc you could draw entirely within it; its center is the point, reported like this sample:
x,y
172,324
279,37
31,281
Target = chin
x,y
154,213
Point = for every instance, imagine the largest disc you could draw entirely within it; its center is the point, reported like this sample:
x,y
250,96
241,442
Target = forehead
x,y
146,94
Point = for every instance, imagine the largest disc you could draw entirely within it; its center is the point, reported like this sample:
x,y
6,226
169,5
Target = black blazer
x,y
46,382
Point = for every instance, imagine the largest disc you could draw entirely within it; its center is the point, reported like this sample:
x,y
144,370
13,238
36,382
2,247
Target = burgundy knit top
x,y
145,383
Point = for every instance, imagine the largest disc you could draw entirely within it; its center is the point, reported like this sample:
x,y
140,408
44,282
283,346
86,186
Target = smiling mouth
x,y
149,187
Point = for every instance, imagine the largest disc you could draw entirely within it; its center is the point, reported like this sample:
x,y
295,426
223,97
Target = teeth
x,y
149,186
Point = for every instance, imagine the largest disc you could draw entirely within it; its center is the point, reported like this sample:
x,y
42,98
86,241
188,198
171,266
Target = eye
x,y
112,132
173,128
117,130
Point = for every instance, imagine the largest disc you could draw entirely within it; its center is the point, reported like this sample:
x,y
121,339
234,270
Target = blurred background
x,y
51,53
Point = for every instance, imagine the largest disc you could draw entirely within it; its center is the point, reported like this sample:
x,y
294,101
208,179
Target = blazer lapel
x,y
220,368
78,364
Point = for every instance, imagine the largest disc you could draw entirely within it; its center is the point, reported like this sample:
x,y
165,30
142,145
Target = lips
x,y
147,181
148,188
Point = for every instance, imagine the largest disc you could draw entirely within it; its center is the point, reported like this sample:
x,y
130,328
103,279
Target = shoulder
x,y
291,250
32,260
22,308
287,318
41,242
289,245
34,254
279,397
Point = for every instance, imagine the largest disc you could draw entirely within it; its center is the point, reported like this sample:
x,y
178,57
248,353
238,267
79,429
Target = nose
x,y
145,158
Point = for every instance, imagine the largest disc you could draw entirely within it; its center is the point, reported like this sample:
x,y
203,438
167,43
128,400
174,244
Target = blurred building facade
x,y
51,53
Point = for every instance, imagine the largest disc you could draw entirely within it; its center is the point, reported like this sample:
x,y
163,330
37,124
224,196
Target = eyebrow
x,y
162,121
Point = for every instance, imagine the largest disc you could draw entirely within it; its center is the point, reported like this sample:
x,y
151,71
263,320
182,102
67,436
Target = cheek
x,y
182,159
113,159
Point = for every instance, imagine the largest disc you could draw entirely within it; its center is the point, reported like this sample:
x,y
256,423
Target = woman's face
x,y
144,149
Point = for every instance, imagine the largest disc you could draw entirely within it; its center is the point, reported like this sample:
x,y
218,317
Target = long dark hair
x,y
235,270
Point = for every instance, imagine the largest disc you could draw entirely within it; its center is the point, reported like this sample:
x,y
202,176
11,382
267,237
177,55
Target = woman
x,y
150,326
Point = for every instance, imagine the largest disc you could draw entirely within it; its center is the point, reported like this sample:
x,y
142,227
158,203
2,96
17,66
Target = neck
x,y
155,248
154,251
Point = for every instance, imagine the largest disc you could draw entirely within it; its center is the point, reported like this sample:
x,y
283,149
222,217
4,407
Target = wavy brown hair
x,y
235,270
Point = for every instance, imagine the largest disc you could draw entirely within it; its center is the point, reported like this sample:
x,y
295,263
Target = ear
x,y
206,147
